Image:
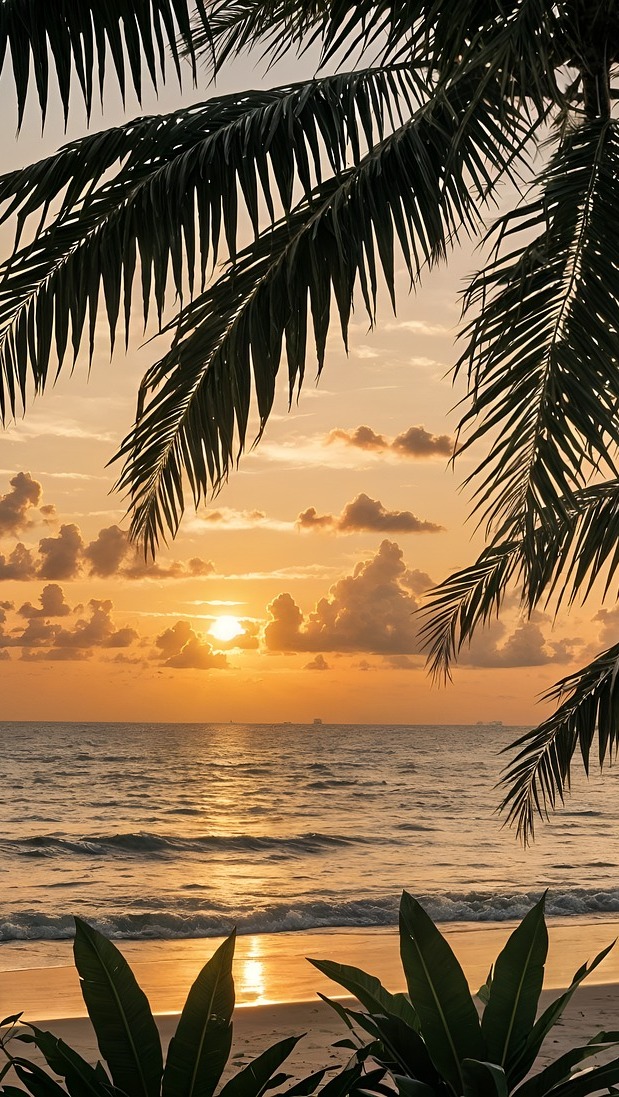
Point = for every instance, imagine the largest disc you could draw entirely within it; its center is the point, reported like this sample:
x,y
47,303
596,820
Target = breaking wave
x,y
192,920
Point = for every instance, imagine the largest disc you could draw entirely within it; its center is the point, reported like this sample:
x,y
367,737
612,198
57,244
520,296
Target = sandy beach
x,y
276,987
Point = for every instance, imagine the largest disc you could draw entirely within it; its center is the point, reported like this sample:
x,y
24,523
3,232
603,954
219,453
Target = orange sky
x,y
321,545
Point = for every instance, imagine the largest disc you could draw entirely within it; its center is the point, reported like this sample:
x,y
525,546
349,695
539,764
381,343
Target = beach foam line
x,y
272,968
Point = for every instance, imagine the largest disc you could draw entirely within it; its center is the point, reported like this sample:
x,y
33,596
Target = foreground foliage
x,y
130,1045
433,1041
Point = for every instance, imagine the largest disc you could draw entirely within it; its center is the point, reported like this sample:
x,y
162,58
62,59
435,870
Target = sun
x,y
226,628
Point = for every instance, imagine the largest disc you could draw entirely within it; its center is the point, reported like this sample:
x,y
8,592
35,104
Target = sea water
x,y
160,831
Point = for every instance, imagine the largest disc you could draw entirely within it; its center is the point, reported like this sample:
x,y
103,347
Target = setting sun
x,y
226,628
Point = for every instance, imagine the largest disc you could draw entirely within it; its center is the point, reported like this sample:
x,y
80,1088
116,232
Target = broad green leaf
x,y
515,989
521,1067
483,1079
439,993
81,1079
561,1069
306,1086
12,1020
410,1087
126,1032
200,1047
36,1080
253,1079
404,1050
588,1082
368,990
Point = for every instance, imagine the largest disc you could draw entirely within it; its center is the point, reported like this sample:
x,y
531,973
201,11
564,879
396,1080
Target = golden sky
x,y
319,549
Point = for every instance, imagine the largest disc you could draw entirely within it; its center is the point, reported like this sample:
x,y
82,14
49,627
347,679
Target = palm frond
x,y
549,314
81,42
563,559
179,182
445,36
465,601
411,190
540,773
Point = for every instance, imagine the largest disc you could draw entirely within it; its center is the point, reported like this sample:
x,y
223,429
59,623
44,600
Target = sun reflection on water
x,y
251,974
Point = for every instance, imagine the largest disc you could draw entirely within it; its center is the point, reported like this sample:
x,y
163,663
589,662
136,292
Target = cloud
x,y
226,518
365,515
371,610
525,646
20,565
182,649
52,604
98,630
416,443
318,663
16,505
60,556
112,554
609,632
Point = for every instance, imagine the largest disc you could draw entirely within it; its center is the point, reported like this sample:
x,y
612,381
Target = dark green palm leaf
x,y
369,991
81,1079
200,1046
527,349
126,1032
438,990
549,1018
561,559
258,1076
515,989
410,191
79,42
175,189
540,772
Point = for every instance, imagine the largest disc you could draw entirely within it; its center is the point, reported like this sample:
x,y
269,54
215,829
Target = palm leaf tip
x,y
539,776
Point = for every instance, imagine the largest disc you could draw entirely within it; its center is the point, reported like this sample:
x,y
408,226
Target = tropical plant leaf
x,y
539,774
126,1032
411,1087
439,992
483,1079
305,1086
368,990
588,1082
36,1080
81,42
526,349
549,1018
562,1068
214,158
563,558
257,1076
200,1046
81,1079
516,986
411,190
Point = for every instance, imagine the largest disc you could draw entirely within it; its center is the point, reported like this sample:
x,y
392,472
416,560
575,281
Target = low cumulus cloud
x,y
17,504
366,515
66,555
416,443
372,610
52,604
181,648
93,628
525,646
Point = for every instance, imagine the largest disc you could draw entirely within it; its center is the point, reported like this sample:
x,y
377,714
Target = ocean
x,y
171,831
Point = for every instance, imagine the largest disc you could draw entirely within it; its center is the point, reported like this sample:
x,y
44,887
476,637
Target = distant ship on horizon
x,y
489,724
317,721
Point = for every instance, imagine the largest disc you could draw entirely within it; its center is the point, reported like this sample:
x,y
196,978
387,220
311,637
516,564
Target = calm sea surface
x,y
171,831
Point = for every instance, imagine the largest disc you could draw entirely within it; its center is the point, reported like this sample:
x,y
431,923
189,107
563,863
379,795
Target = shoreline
x,y
272,969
